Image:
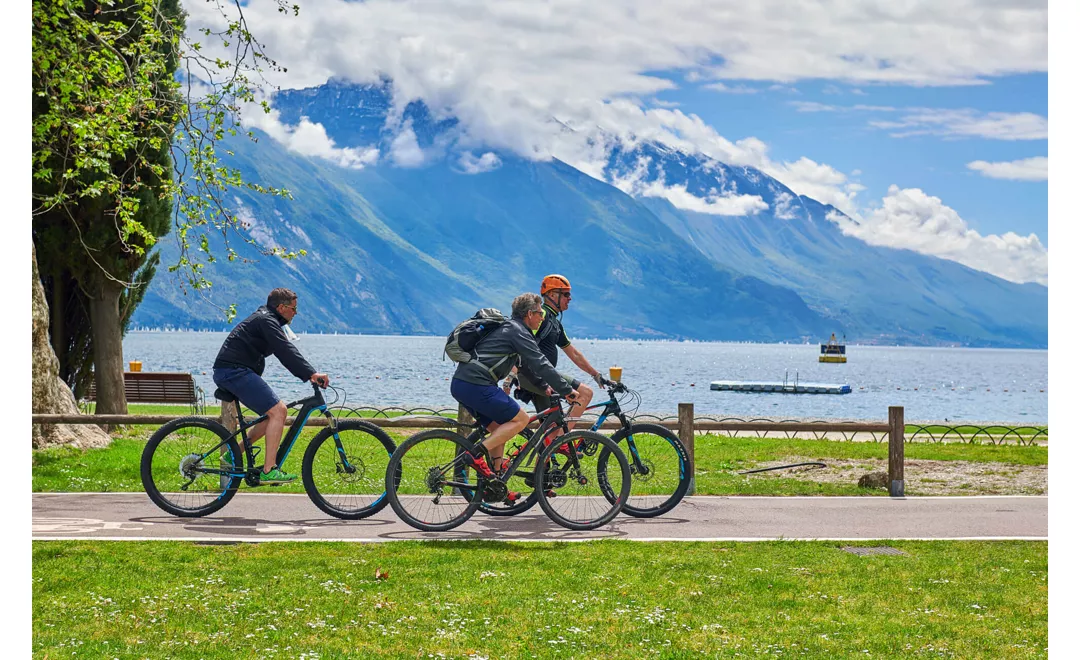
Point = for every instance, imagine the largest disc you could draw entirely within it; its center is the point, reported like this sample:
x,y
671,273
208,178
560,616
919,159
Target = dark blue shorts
x,y
248,386
486,403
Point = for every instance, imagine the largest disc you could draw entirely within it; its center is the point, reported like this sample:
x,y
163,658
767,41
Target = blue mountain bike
x,y
192,466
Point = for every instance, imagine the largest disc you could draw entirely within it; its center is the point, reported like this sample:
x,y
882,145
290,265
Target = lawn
x,y
612,599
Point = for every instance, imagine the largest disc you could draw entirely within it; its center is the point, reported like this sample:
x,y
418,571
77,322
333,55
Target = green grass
x,y
719,459
612,599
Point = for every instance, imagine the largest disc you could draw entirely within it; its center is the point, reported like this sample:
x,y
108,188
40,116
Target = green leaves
x,y
109,112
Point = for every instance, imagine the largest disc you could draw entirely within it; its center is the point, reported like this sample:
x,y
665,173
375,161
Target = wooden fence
x,y
686,427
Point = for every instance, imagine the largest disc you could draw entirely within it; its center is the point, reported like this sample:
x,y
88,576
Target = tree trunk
x,y
107,329
57,307
49,393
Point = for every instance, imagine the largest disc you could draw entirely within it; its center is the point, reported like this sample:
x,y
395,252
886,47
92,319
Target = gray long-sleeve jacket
x,y
496,355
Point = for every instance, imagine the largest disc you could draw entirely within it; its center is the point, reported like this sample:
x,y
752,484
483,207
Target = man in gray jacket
x,y
475,383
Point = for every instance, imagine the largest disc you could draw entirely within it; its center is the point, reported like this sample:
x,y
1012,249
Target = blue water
x,y
957,384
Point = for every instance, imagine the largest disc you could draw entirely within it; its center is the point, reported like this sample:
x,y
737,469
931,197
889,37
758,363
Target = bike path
x,y
286,517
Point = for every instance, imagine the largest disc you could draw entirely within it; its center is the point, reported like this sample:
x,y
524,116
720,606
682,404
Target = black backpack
x,y
461,342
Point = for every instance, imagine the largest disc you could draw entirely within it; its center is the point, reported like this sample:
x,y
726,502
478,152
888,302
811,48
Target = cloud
x,y
471,164
504,68
1026,169
967,122
822,182
727,89
307,138
910,219
405,151
813,106
715,203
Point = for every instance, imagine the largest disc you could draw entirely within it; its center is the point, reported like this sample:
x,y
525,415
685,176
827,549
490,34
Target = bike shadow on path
x,y
531,527
262,528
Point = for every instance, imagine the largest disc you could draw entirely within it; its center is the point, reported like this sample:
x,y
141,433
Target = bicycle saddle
x,y
222,394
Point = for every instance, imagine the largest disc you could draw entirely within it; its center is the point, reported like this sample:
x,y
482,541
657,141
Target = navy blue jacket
x,y
256,337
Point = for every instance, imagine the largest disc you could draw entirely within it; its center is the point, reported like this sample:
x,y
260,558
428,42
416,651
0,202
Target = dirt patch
x,y
924,477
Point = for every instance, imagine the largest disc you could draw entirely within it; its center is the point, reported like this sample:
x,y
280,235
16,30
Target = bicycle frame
x,y
612,407
313,403
552,419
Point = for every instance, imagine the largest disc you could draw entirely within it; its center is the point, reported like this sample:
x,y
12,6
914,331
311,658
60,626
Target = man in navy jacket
x,y
239,367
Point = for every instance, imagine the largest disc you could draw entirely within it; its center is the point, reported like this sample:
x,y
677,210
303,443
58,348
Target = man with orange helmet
x,y
550,337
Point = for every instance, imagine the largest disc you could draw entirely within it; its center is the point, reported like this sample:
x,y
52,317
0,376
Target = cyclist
x,y
550,336
475,383
239,367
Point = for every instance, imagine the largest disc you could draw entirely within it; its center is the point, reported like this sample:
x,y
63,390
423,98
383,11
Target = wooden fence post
x,y
464,419
228,416
230,421
686,435
896,451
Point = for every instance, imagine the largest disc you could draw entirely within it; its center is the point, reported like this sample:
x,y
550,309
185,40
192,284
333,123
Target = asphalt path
x,y
285,517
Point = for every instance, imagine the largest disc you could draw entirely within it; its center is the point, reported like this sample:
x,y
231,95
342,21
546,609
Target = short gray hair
x,y
524,304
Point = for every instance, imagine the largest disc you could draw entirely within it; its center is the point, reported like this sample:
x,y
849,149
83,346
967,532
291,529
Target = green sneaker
x,y
276,476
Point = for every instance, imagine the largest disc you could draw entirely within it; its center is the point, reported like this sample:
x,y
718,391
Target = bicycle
x,y
430,488
192,466
659,462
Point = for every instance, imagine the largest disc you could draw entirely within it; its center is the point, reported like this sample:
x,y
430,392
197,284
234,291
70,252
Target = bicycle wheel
x,y
581,484
345,471
182,475
421,485
520,481
659,469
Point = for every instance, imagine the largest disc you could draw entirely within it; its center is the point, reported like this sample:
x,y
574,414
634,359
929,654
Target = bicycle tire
x,y
407,478
546,479
171,469
665,459
343,497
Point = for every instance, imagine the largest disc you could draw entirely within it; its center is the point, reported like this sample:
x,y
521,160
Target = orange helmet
x,y
552,282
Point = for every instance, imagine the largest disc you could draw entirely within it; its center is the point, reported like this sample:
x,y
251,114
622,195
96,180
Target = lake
x,y
957,384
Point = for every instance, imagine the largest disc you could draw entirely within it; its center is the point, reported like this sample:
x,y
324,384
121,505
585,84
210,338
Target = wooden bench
x,y
159,387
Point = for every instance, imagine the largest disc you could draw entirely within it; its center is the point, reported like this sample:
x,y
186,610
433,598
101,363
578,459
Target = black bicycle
x,y
431,489
192,467
659,462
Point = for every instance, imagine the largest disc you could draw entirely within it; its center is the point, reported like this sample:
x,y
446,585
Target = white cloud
x,y
717,202
728,89
472,164
822,182
505,68
307,138
1025,169
913,220
966,122
405,151
813,106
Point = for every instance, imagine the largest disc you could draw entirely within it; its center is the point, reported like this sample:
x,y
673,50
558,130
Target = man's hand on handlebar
x,y
322,380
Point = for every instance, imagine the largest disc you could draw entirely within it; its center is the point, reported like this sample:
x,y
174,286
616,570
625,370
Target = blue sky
x,y
937,164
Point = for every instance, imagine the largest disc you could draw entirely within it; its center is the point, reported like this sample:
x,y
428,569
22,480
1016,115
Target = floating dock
x,y
779,388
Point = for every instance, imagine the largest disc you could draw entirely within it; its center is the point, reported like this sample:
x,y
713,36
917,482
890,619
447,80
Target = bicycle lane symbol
x,y
81,526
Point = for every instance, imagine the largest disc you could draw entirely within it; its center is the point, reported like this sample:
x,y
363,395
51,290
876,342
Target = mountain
x,y
877,294
416,249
